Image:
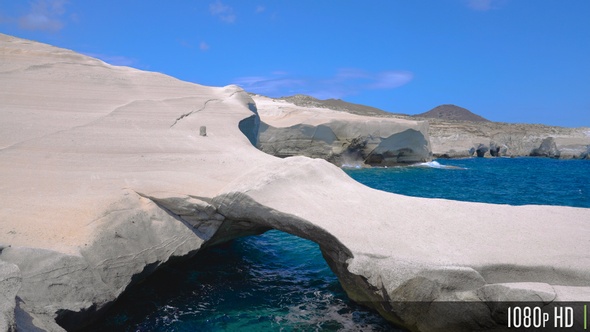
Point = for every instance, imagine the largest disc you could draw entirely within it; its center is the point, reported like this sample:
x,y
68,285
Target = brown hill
x,y
451,112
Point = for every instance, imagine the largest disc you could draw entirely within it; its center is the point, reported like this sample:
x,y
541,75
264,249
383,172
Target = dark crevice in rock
x,y
75,320
195,111
250,128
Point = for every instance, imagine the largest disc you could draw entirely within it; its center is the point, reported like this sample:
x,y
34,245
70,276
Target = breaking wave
x,y
436,164
357,166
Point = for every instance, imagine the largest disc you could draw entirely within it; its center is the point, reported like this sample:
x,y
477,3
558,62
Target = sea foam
x,y
436,164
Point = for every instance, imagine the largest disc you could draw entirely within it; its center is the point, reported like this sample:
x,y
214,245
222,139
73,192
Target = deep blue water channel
x,y
278,282
514,181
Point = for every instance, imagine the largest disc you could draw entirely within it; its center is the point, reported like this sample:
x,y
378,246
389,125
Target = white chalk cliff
x,y
339,137
105,176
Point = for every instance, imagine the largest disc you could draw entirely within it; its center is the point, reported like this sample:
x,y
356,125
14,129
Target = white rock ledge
x,y
341,138
105,178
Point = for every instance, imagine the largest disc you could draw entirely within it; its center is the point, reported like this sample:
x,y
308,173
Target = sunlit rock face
x,y
340,137
548,148
459,139
106,176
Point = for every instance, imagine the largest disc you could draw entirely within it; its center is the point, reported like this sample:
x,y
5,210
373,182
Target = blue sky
x,y
507,60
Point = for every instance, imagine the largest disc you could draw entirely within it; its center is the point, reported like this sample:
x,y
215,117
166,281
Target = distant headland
x,y
453,132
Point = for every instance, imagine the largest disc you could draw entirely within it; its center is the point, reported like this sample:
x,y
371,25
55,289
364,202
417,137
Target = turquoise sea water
x,y
514,181
272,282
278,282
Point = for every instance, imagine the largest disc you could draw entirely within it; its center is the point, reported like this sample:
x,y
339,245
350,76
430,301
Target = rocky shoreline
x,y
458,139
108,174
341,138
452,131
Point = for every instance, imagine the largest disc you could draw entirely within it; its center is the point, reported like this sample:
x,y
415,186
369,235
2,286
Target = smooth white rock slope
x,y
104,177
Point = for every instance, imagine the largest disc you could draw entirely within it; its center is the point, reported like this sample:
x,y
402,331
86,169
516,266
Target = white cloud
x,y
44,15
484,5
346,82
392,79
269,85
260,9
204,46
224,12
35,21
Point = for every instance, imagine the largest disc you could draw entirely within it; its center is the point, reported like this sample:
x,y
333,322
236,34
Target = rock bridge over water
x,y
105,177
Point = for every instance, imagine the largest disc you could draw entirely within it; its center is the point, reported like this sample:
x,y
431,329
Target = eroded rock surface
x,y
421,258
452,139
339,137
88,152
102,186
453,132
548,148
10,283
